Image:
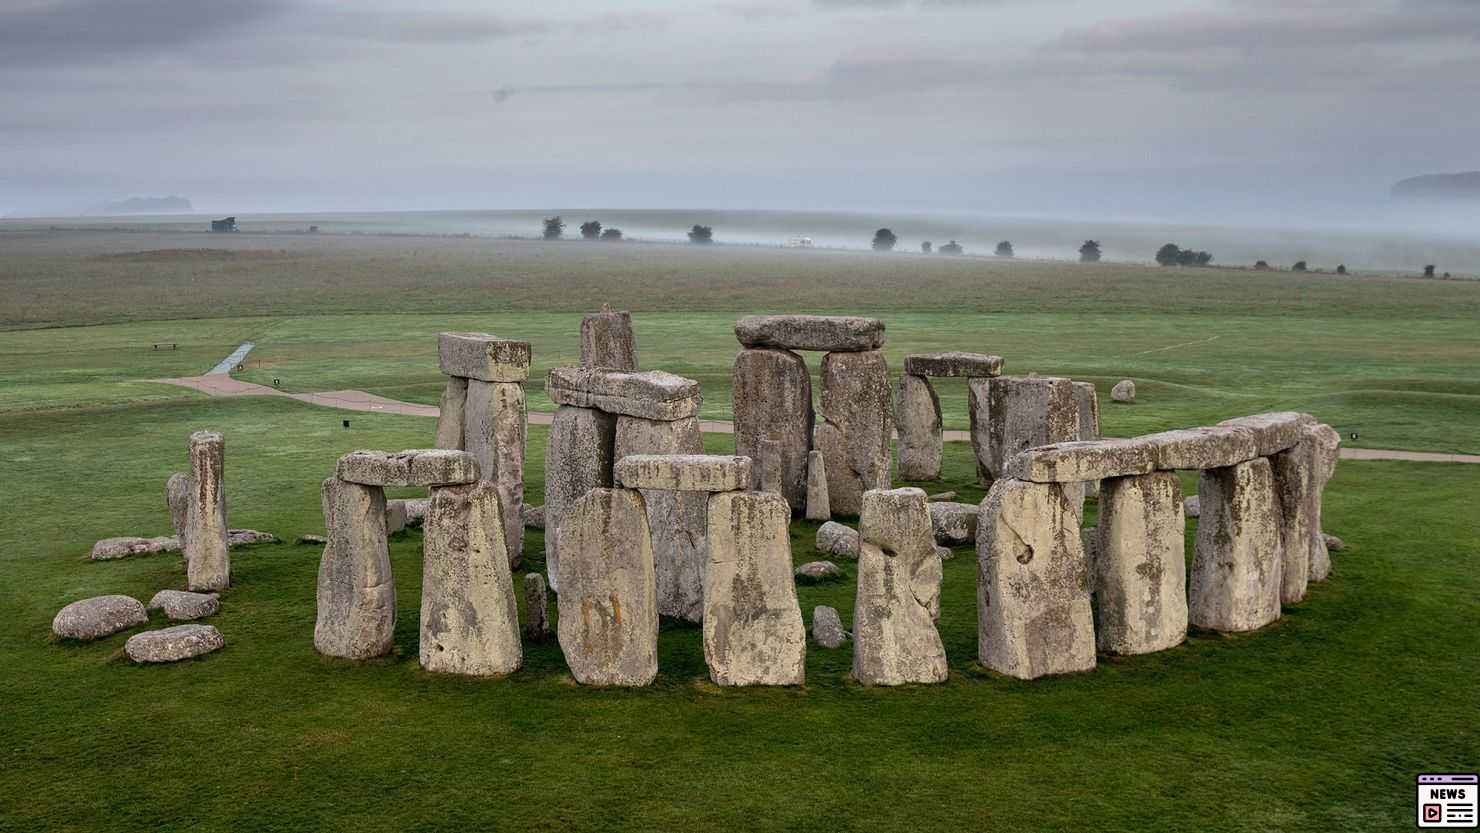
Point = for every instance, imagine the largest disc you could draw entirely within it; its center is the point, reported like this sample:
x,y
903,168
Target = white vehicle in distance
x,y
799,243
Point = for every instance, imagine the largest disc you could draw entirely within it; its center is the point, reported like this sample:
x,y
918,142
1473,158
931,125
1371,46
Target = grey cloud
x,y
94,31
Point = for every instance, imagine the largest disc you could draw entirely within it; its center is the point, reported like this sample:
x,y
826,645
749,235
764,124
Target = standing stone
x,y
395,516
827,627
356,591
1026,412
536,608
771,393
495,428
894,636
208,561
578,458
1235,583
917,420
1327,444
1033,596
177,495
768,468
469,618
450,413
753,630
607,340
1294,482
857,427
1088,402
677,519
1140,565
979,412
819,508
1124,391
608,626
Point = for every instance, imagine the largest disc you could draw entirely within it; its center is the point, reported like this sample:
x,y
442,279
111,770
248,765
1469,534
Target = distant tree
x,y
884,240
1428,271
1262,266
554,227
1089,252
612,234
1299,266
1004,249
925,247
1191,258
1447,276
591,229
1169,255
951,248
701,234
1341,270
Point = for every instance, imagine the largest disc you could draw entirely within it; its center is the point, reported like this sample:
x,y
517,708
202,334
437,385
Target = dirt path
x,y
358,400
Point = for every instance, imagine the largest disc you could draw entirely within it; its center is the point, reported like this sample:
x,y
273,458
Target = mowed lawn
x,y
1316,723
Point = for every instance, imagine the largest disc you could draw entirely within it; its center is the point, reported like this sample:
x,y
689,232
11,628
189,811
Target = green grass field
x,y
1318,723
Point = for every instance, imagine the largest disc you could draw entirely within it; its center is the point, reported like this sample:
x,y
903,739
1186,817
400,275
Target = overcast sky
x,y
993,106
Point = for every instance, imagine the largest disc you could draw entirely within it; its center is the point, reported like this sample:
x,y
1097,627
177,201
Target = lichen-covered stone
x,y
607,340
1235,581
1081,461
834,538
918,424
533,516
684,472
469,617
98,617
771,394
857,427
413,467
416,510
450,413
1294,483
970,365
827,627
181,606
1273,432
1124,392
356,590
677,519
1140,565
608,625
823,333
1033,586
753,629
817,571
207,557
1200,448
578,458
536,608
1025,412
247,537
894,637
495,428
651,394
109,549
484,357
819,508
173,644
953,523
1192,506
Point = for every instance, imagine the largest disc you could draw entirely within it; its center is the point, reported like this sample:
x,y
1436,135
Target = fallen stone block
x,y
1080,461
823,333
953,523
311,540
650,394
484,357
173,644
818,571
125,546
941,497
1235,580
834,538
98,617
1200,448
1140,565
1273,432
753,630
970,365
414,467
684,472
771,393
249,537
181,606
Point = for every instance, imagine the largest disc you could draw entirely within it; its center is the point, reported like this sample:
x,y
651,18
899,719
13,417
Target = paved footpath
x,y
216,384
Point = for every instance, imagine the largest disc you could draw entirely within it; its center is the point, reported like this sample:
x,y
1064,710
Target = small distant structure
x,y
313,229
228,224
799,243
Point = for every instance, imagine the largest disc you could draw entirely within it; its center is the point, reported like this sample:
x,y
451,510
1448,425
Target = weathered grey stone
x,y
823,333
607,340
450,413
1333,543
941,497
608,625
651,394
857,427
1192,506
1294,483
536,608
768,468
771,394
533,516
944,554
1200,448
98,617
978,407
894,637
1025,412
495,427
173,644
395,516
1033,594
953,523
827,627
469,617
180,606
578,458
971,365
247,537
819,508
678,520
1089,420
1327,445
1275,431
684,472
1235,581
177,491
1124,391
311,540
413,467
917,421
208,558
834,538
356,591
125,546
1089,538
484,357
1140,565
817,571
753,630
416,510
1081,461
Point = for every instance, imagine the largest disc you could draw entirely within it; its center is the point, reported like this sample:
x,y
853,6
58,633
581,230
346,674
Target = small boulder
x,y
1333,543
1124,391
98,617
1192,506
815,571
532,516
311,540
182,606
940,497
173,644
953,523
827,627
834,538
245,537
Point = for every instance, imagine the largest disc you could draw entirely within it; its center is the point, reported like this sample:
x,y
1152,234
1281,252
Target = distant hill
x,y
1448,187
145,205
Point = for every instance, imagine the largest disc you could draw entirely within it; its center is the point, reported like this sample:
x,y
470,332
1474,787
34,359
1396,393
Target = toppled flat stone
x,y
898,599
533,517
125,546
953,523
815,571
649,394
857,427
607,340
484,357
1124,392
309,539
1140,565
413,467
824,333
182,606
684,472
98,617
834,538
1235,581
970,365
1080,461
771,393
918,425
248,537
753,630
1200,448
1274,431
827,627
173,644
819,507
